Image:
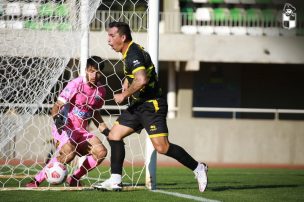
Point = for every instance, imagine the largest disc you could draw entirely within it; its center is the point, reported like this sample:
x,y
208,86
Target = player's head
x,y
94,68
119,33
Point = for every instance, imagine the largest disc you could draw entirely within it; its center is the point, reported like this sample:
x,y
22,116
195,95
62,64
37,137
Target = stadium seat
x,y
254,16
203,14
62,10
232,1
221,16
255,31
188,15
29,24
216,1
189,29
14,24
270,20
13,9
64,27
49,26
238,30
248,1
2,24
222,30
205,30
263,1
237,16
200,1
270,16
46,9
254,22
29,10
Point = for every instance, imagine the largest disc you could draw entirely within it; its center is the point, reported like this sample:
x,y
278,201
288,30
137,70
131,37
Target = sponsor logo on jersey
x,y
136,62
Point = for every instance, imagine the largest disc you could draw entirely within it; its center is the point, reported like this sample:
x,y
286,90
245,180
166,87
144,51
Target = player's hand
x,y
119,98
59,122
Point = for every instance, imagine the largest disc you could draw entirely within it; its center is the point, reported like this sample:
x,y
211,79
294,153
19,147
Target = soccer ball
x,y
55,173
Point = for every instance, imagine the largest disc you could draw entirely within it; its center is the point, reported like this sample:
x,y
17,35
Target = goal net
x,y
41,50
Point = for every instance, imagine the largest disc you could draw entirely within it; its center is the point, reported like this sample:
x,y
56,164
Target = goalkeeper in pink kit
x,y
78,103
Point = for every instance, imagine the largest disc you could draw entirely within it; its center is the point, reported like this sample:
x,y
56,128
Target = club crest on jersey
x,y
289,16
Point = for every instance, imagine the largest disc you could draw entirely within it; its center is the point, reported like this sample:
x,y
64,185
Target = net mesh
x,y
39,53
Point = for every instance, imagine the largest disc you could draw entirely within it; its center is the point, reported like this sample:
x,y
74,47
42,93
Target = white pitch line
x,y
195,198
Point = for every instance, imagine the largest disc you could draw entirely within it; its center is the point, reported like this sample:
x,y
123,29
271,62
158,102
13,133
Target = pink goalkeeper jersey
x,y
82,100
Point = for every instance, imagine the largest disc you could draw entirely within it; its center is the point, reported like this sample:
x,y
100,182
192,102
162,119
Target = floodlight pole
x,y
153,39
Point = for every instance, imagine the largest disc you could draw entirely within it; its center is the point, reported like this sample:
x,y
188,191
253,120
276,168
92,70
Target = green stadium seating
x,y
216,1
189,13
237,14
269,15
62,10
248,1
29,24
232,1
263,1
221,14
253,15
49,26
64,27
46,9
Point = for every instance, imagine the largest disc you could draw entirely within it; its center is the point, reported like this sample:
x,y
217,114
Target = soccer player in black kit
x,y
147,110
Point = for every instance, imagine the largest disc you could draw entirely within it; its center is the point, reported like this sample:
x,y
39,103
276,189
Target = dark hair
x,y
123,29
96,62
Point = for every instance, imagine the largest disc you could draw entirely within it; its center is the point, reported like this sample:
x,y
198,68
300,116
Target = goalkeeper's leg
x,y
59,141
97,153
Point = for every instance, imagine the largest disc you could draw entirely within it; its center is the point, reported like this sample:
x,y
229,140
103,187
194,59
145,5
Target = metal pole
x,y
84,44
153,39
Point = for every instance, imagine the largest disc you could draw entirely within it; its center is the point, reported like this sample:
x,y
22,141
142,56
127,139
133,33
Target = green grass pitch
x,y
225,184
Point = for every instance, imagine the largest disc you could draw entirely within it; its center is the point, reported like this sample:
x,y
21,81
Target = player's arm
x,y
57,117
125,85
139,81
100,124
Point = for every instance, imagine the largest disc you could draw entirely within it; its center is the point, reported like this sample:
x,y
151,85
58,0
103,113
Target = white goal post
x,y
44,44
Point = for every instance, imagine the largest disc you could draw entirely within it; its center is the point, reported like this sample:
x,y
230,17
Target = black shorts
x,y
150,115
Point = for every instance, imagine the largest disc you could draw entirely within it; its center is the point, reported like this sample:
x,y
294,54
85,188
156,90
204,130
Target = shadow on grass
x,y
244,187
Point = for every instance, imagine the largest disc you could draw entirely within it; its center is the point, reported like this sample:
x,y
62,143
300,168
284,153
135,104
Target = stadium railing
x,y
215,21
276,112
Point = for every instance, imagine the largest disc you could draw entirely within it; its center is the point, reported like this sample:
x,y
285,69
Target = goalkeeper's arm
x,y
57,117
100,124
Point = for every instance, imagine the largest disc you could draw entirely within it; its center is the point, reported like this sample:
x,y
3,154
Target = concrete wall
x,y
240,141
211,140
244,49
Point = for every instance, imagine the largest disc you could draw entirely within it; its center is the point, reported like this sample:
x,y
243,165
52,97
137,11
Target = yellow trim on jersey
x,y
131,76
159,135
155,103
125,54
116,123
137,69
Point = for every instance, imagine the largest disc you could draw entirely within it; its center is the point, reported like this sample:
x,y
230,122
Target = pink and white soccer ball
x,y
55,173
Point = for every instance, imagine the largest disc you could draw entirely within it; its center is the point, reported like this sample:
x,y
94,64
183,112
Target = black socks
x,y
117,156
181,156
